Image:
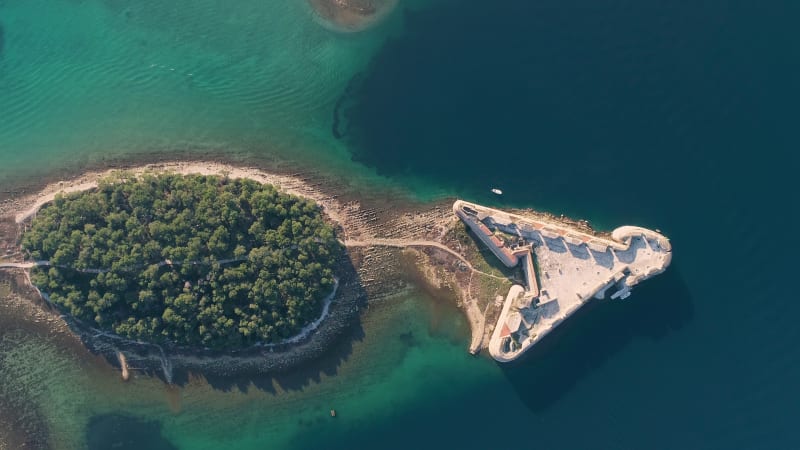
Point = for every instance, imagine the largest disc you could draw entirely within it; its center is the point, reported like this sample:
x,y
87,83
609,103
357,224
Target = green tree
x,y
158,240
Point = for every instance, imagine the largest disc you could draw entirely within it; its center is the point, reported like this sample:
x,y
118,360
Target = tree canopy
x,y
191,260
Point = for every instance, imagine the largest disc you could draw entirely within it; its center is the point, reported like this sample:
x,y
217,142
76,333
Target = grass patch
x,y
476,252
489,289
5,289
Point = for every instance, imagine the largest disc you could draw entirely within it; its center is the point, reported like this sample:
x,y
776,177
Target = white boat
x,y
497,191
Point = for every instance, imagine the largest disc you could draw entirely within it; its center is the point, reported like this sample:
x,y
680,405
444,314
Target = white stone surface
x,y
571,272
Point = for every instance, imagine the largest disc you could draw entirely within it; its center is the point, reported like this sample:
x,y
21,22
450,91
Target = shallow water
x,y
392,365
91,81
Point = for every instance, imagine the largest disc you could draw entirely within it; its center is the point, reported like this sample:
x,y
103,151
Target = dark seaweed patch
x,y
125,432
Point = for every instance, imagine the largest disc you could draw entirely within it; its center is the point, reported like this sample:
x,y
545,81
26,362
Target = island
x,y
219,269
189,260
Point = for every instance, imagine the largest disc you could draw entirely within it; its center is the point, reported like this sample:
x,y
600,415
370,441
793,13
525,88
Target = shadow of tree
x,y
294,378
594,334
289,366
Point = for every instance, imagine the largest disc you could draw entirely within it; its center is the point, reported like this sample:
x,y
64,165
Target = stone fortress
x,y
564,267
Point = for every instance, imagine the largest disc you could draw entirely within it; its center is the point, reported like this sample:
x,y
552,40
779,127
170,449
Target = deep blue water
x,y
681,116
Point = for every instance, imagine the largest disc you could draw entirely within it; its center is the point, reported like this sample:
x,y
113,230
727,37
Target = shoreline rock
x,y
123,363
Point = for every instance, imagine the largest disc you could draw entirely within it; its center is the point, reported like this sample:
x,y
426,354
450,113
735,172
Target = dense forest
x,y
190,260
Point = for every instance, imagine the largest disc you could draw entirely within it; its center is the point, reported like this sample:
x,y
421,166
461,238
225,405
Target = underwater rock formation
x,y
352,15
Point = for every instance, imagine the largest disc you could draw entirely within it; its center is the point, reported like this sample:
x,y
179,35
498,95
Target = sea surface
x,y
681,116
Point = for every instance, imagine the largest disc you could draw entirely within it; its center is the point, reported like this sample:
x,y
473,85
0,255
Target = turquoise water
x,y
94,80
396,363
673,116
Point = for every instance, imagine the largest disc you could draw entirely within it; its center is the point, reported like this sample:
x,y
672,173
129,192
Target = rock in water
x,y
352,15
123,362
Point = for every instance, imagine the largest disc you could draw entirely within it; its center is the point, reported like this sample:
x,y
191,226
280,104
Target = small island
x,y
187,260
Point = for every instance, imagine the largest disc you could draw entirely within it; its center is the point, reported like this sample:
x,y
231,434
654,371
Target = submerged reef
x,y
352,15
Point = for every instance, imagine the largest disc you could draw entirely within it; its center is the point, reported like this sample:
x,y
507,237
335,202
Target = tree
x,y
158,240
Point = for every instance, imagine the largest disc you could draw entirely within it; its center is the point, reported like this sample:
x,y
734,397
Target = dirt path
x,y
403,243
29,265
21,265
